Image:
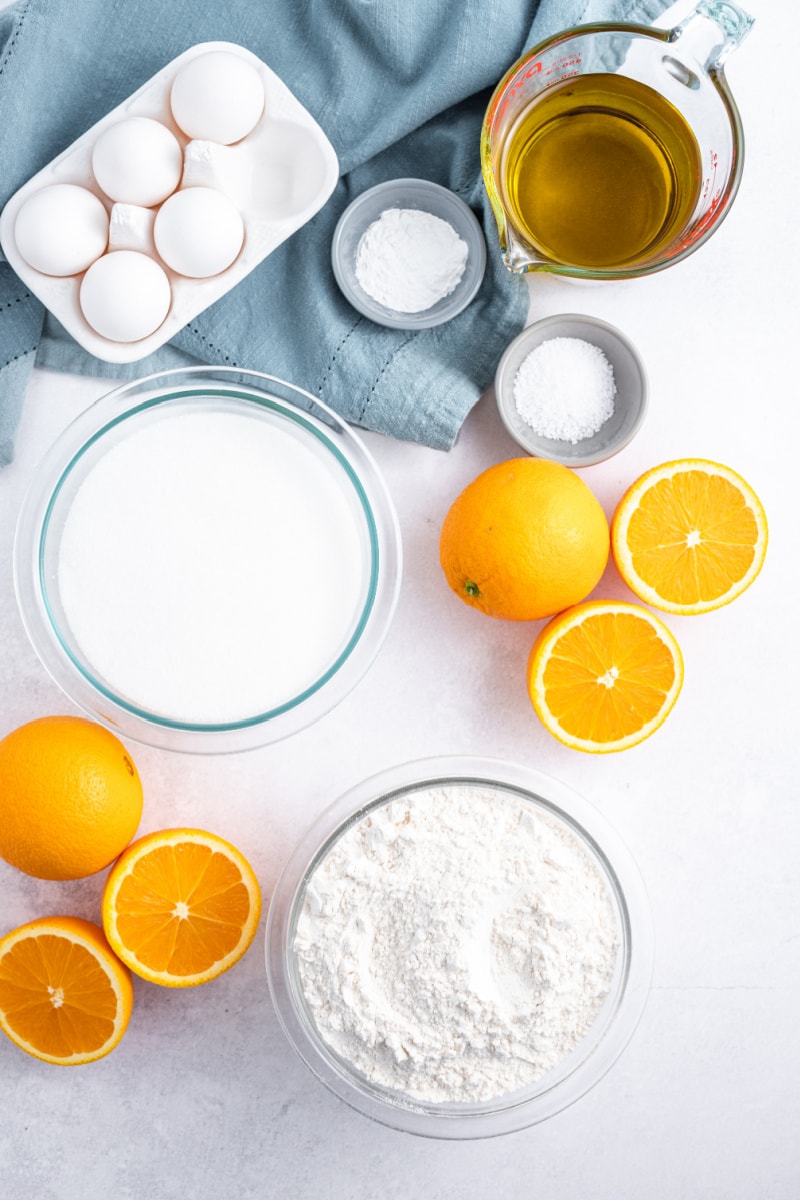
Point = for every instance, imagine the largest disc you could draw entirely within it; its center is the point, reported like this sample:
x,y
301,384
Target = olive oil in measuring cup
x,y
600,172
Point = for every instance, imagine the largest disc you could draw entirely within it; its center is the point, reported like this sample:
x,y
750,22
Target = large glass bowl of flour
x,y
208,560
459,947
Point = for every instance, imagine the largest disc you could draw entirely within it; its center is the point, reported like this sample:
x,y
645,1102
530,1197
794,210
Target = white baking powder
x,y
212,566
565,389
456,944
408,259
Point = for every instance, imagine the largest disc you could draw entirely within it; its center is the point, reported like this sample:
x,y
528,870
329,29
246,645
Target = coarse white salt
x,y
565,389
213,565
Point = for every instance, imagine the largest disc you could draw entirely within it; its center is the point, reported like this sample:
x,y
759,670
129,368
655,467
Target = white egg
x,y
218,96
125,296
61,229
137,161
198,232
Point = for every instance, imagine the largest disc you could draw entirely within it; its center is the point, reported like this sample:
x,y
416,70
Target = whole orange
x,y
524,540
70,798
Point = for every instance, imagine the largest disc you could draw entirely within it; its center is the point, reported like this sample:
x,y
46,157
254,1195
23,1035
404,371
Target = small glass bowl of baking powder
x,y
553,396
408,254
459,947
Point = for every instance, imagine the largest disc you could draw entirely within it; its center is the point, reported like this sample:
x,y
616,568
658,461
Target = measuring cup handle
x,y
712,31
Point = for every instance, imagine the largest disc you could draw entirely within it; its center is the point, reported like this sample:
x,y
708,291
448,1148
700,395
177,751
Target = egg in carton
x,y
168,201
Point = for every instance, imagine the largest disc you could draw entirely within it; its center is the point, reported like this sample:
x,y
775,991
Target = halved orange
x,y
689,536
64,996
604,675
181,906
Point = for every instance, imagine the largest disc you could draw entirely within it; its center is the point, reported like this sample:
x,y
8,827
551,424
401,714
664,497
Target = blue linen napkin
x,y
399,87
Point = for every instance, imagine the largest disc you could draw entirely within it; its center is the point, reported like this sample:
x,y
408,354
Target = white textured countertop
x,y
204,1097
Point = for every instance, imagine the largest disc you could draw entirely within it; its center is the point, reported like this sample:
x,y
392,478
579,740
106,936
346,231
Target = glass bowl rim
x,y
593,1057
226,385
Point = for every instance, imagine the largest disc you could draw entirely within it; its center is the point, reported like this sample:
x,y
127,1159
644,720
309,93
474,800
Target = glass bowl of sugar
x,y
207,560
571,388
459,947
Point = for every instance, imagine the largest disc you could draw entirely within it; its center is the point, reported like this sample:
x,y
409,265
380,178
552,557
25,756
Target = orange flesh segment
x,y
182,909
622,649
56,997
669,517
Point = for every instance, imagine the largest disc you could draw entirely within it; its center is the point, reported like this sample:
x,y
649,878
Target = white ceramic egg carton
x,y
278,176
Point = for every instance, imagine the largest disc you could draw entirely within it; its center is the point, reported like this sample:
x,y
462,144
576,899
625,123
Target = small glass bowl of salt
x,y
408,254
571,388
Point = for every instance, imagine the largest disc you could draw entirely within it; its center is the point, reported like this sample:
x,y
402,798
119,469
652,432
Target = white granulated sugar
x,y
408,259
212,566
456,944
565,389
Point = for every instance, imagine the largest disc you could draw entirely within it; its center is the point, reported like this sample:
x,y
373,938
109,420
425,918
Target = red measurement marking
x,y
558,69
710,215
519,82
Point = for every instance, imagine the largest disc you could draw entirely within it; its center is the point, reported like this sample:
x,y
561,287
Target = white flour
x,y
408,260
455,945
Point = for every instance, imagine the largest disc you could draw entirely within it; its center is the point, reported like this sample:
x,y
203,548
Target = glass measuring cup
x,y
664,109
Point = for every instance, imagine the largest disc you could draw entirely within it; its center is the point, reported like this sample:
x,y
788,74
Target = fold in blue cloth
x,y
399,87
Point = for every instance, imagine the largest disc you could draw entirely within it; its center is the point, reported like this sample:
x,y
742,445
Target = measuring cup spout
x,y
517,256
711,32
